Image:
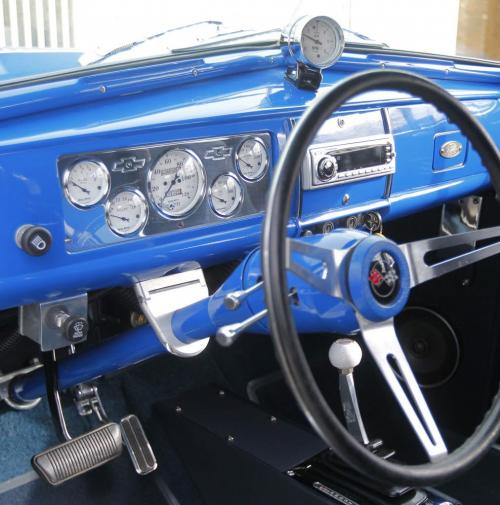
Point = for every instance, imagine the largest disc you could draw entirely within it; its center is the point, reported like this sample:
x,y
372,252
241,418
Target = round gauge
x,y
321,41
86,183
252,159
177,182
225,195
127,212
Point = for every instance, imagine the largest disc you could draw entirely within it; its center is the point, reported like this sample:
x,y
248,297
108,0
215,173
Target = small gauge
x,y
86,183
352,222
225,195
373,222
321,40
127,212
177,182
252,159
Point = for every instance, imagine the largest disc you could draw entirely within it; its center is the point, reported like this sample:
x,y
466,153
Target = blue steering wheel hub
x,y
378,278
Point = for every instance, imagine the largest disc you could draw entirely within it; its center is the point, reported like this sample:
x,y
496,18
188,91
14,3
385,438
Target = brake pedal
x,y
138,445
79,455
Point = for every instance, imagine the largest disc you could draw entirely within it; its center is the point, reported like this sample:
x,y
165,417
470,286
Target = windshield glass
x,y
40,36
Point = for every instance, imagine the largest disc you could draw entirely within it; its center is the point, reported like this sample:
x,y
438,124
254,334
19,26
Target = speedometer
x,y
177,183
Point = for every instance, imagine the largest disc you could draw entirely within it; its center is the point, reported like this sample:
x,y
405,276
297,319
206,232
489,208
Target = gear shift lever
x,y
345,355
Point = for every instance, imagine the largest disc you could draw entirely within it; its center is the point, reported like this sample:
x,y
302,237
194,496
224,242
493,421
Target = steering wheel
x,y
374,315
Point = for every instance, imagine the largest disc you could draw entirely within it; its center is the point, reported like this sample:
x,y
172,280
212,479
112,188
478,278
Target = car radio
x,y
339,162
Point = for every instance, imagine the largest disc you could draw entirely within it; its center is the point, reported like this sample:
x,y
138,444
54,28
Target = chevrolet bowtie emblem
x,y
218,153
131,164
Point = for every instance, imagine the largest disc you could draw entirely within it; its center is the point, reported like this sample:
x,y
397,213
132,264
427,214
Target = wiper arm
x,y
135,43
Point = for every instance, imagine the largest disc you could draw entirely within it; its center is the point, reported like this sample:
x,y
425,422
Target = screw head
x,y
345,199
178,410
102,89
222,393
273,419
230,438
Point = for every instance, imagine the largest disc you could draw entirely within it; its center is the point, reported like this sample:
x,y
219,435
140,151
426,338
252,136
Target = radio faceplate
x,y
332,163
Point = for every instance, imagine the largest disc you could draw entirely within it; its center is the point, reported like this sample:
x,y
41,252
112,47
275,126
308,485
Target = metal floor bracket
x,y
159,298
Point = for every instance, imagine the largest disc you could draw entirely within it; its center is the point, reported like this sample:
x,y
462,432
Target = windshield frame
x,y
350,47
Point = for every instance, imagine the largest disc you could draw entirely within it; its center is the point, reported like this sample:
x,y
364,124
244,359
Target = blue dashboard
x,y
209,107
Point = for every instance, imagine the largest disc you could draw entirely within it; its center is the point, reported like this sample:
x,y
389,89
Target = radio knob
x,y
327,168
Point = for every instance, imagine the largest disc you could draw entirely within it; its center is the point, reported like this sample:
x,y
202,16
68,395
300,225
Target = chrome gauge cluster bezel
x,y
142,199
66,182
200,191
302,52
239,203
131,169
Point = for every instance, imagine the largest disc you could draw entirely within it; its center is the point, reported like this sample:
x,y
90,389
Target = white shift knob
x,y
345,354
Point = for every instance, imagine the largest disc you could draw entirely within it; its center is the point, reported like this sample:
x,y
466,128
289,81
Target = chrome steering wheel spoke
x,y
422,271
316,264
381,340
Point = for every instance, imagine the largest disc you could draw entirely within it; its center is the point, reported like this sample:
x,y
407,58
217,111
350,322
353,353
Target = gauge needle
x,y
246,163
316,41
219,198
81,187
120,217
171,185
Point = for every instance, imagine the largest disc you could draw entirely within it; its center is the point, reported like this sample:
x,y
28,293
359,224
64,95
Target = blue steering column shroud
x,y
314,311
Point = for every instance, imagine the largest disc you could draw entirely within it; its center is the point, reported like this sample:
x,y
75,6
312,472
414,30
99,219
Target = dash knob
x,y
33,240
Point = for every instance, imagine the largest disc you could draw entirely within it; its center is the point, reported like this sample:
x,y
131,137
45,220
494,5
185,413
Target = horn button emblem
x,y
383,277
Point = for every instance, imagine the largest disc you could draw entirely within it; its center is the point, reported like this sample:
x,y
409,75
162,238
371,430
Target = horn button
x,y
378,278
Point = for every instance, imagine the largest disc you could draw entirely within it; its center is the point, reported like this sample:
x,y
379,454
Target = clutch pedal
x,y
79,455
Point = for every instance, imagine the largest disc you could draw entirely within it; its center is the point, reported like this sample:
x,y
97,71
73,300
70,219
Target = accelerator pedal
x,y
79,455
138,445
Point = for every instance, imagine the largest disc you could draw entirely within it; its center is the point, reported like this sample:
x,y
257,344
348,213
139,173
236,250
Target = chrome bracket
x,y
159,298
460,216
88,401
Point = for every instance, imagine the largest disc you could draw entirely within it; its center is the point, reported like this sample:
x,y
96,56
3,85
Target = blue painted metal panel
x,y
441,162
165,101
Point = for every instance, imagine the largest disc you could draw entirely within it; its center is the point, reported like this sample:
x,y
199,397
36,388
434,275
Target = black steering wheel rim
x,y
285,338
